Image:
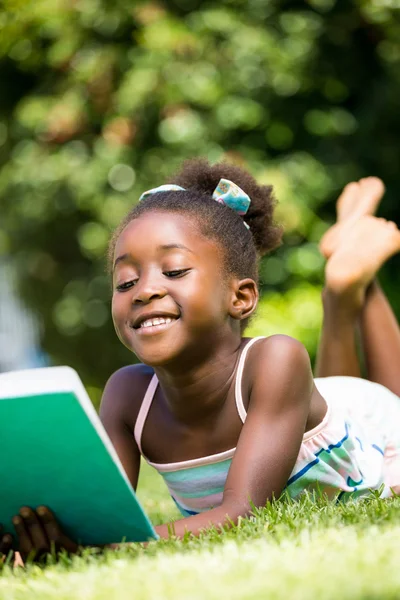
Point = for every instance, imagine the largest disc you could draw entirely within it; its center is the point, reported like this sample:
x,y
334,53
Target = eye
x,y
123,287
176,273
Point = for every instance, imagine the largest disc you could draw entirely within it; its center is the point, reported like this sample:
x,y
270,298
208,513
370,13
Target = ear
x,y
244,298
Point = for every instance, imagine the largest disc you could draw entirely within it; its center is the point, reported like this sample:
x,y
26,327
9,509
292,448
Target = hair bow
x,y
226,192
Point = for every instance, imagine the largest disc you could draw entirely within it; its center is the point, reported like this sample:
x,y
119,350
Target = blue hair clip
x,y
226,192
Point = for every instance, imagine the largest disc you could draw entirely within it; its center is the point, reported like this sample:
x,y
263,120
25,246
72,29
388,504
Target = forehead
x,y
150,231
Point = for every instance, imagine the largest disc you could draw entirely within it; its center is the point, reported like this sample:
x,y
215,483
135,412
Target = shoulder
x,y
278,364
124,392
279,349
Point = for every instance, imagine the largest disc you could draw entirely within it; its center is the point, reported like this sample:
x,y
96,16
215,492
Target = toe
x,y
347,200
373,188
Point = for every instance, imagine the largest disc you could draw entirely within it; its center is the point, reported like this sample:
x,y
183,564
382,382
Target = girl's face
x,y
170,299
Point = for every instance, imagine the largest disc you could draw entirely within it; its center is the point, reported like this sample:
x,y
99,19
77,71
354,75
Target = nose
x,y
148,289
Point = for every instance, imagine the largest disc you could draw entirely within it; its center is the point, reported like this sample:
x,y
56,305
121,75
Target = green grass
x,y
302,550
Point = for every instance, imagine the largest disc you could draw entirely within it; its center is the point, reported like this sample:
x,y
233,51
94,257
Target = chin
x,y
154,353
160,356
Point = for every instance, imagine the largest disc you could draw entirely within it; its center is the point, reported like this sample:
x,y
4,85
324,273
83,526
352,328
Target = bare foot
x,y
363,249
357,200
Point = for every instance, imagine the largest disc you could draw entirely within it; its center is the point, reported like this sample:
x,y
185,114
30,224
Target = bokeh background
x,y
102,100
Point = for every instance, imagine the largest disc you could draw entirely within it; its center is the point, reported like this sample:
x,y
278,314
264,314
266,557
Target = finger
x,y
24,541
6,544
35,529
18,561
49,524
53,530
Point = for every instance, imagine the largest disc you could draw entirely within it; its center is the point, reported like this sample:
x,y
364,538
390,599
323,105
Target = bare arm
x,y
271,436
117,398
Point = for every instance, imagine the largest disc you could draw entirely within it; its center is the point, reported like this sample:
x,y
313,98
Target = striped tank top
x,y
346,455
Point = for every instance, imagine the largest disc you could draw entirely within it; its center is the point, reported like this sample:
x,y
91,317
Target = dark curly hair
x,y
242,247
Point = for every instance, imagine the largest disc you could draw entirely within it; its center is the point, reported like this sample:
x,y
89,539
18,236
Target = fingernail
x,y
41,510
7,539
16,520
25,512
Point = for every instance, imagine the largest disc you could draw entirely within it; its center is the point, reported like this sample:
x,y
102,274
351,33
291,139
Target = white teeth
x,y
155,321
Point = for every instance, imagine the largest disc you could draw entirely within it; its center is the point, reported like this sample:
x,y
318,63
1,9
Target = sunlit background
x,y
100,101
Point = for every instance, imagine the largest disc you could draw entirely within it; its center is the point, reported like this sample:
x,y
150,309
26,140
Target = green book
x,y
55,452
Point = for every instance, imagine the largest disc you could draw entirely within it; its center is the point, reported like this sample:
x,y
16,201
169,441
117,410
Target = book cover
x,y
55,452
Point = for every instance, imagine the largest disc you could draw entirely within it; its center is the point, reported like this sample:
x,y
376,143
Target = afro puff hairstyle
x,y
241,247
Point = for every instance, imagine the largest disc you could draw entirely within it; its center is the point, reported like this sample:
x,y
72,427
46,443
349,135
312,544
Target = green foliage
x,y
101,101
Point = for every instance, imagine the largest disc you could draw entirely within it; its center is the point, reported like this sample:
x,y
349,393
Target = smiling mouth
x,y
155,325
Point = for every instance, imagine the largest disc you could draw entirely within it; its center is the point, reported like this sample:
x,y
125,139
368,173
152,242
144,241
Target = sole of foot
x,y
357,200
367,245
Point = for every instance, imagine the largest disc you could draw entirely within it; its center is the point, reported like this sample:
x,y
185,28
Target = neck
x,y
198,392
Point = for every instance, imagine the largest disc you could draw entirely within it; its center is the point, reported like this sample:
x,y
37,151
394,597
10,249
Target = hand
x,y
39,533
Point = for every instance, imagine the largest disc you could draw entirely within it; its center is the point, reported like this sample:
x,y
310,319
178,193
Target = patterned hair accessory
x,y
232,195
226,192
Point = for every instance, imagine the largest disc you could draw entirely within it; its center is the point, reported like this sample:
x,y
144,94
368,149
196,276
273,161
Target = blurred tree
x,y
101,101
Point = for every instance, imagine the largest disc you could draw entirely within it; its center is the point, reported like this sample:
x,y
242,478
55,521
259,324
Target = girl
x,y
229,421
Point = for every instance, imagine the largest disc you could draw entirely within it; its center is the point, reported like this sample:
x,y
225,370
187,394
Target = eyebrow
x,y
127,257
173,246
119,259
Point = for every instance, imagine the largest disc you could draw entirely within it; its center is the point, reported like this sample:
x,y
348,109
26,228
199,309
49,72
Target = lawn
x,y
302,550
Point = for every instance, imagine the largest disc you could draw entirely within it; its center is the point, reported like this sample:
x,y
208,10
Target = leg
x,y
362,250
337,352
380,334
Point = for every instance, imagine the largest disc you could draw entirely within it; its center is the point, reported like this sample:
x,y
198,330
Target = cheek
x,y
117,311
118,315
209,302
